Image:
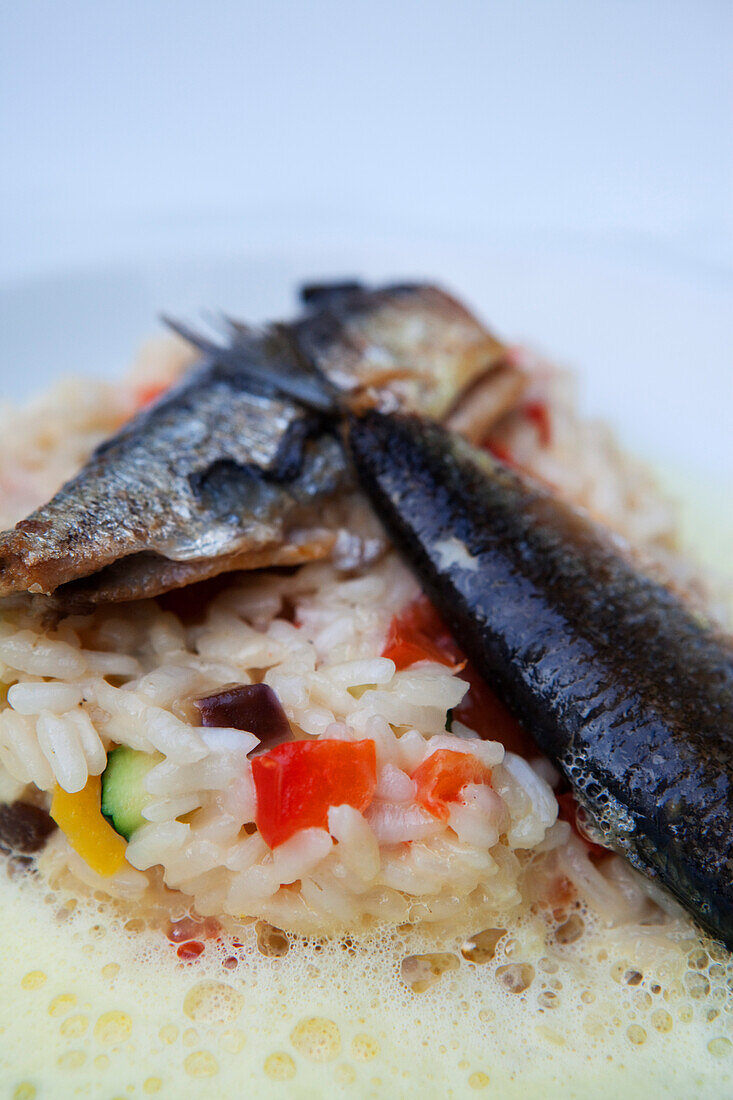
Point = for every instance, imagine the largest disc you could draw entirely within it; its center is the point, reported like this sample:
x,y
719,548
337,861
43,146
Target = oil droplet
x,y
152,1085
316,1038
280,1066
201,1064
697,985
168,1033
113,1027
74,1026
516,977
661,1020
190,1037
60,1005
481,948
34,979
110,971
271,941
478,1080
618,970
72,1059
233,1040
190,951
636,1034
213,1003
364,1048
25,1090
698,959
571,930
345,1074
422,971
101,1061
720,1046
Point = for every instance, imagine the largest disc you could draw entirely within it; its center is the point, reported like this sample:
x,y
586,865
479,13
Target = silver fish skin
x,y
213,472
222,473
620,684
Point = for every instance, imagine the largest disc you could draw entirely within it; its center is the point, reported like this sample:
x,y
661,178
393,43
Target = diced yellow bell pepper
x,y
90,835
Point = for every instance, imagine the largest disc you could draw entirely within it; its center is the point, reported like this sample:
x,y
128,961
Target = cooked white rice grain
x,y
32,698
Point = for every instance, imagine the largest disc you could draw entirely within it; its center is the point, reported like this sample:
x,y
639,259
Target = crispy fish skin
x,y
210,472
223,474
625,689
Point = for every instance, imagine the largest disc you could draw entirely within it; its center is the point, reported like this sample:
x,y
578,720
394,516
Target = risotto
x,y
130,675
432,891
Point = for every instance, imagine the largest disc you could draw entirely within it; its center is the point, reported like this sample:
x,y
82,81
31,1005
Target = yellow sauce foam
x,y
92,1006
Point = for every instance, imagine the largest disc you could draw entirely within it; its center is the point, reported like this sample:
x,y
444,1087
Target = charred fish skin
x,y
225,473
627,691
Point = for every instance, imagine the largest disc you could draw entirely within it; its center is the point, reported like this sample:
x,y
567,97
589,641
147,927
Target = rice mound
x,y
128,675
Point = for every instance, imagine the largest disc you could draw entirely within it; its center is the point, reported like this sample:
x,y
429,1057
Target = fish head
x,y
408,347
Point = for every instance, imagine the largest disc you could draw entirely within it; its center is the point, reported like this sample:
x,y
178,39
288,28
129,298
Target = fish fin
x,y
191,336
305,387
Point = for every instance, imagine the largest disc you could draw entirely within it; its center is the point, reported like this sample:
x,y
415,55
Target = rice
x,y
128,675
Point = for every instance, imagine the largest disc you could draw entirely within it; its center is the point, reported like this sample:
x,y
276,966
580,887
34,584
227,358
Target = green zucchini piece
x,y
124,796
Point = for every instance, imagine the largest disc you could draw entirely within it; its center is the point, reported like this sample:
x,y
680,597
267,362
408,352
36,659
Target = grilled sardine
x,y
221,473
627,690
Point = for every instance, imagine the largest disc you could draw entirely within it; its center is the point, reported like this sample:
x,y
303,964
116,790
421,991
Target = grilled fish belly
x,y
221,473
619,683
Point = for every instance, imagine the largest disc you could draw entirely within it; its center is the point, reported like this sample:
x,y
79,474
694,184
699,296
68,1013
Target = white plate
x,y
648,335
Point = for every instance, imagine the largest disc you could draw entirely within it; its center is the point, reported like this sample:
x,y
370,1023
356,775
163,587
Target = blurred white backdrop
x,y
601,117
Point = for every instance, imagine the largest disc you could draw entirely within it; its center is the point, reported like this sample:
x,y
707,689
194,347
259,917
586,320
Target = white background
x,y
601,117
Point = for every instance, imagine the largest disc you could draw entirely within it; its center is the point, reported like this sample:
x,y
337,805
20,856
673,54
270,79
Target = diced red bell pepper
x,y
419,634
296,784
441,778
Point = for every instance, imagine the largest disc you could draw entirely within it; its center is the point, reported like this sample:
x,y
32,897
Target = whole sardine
x,y
223,474
619,683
